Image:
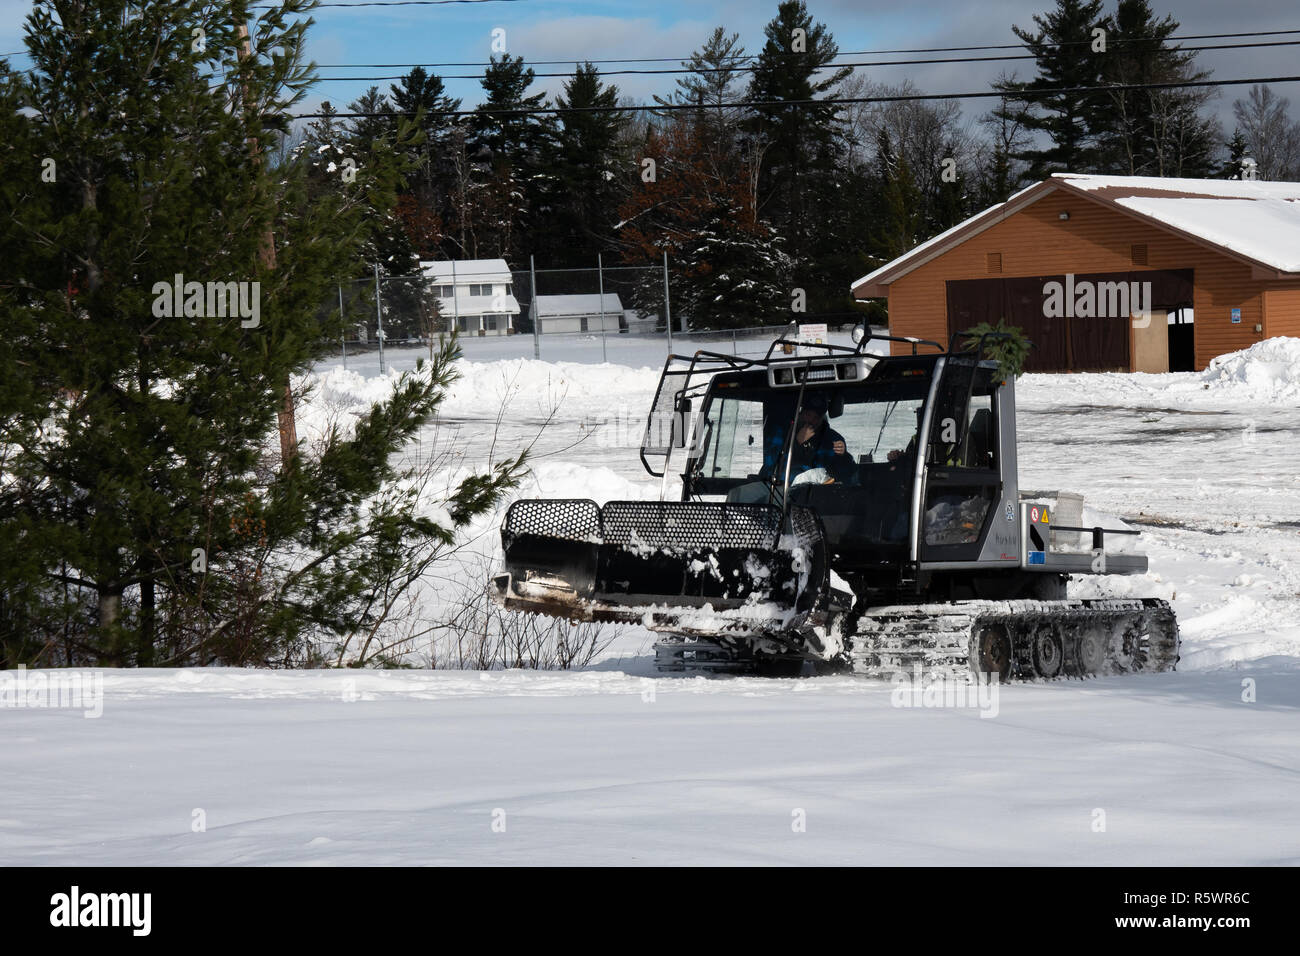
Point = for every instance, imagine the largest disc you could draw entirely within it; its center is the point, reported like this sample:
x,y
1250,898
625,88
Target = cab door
x,y
963,483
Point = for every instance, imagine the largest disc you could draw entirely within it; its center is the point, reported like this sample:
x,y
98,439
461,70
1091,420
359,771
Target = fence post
x,y
343,335
600,277
455,301
379,316
668,313
532,308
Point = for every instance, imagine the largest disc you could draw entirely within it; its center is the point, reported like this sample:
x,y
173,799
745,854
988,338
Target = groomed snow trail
x,y
607,768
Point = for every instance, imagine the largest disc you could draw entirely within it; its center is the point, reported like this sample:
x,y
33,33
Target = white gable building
x,y
475,296
580,313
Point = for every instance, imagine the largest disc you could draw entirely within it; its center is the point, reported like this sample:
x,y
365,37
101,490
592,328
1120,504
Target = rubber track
x,y
1092,638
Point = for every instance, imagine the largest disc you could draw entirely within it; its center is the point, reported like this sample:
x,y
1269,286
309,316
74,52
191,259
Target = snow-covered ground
x,y
612,765
603,767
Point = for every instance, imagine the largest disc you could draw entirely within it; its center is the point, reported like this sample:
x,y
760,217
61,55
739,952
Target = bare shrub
x,y
472,632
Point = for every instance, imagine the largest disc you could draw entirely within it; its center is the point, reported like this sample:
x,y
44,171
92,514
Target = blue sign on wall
x,y
1236,316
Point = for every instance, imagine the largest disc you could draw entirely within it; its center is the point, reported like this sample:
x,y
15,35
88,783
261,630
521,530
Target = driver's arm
x,y
840,464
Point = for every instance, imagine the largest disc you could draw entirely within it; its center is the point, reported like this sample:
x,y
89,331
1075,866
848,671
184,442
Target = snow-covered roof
x,y
556,306
466,270
1220,188
1258,221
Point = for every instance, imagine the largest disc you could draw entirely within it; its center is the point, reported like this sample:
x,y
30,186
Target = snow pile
x,y
566,479
337,397
521,388
342,388
532,387
1269,369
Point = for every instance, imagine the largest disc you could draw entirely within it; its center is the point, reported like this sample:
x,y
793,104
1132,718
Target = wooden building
x,y
1123,273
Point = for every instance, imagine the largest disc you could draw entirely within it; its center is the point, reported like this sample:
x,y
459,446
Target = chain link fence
x,y
617,314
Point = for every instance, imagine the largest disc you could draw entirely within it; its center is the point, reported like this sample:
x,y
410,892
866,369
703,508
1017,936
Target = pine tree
x,y
425,205
1062,46
898,223
711,83
728,267
586,166
374,121
141,517
327,130
802,144
1151,132
420,91
1233,167
372,141
1002,173
929,139
511,149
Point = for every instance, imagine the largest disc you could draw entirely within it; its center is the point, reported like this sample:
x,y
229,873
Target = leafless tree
x,y
1272,137
923,133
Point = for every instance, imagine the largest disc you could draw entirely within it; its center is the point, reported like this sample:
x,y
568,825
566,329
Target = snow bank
x,y
525,387
1269,369
567,479
531,387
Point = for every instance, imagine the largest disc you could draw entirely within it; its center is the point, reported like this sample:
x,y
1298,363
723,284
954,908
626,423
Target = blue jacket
x,y
815,453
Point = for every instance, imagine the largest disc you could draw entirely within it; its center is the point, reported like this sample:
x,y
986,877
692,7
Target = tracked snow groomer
x,y
855,510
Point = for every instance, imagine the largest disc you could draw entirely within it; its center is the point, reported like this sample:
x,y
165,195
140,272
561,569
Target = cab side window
x,y
963,483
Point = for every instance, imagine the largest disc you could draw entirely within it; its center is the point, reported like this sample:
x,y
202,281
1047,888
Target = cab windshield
x,y
837,436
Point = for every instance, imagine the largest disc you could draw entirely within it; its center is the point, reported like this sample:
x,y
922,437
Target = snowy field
x,y
613,765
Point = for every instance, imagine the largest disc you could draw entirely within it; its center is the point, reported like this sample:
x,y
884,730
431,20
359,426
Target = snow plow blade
x,y
679,567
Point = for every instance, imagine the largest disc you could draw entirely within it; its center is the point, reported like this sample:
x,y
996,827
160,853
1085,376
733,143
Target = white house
x,y
475,296
580,313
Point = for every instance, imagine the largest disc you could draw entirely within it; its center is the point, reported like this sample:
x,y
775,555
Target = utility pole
x,y
287,422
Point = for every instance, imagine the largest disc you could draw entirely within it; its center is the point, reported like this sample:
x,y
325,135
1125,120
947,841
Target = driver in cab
x,y
816,445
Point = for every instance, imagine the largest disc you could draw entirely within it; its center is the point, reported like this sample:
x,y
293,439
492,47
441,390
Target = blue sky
x,y
550,30
568,30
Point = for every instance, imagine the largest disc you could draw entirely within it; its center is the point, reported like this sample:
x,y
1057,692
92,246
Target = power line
x,y
754,56
828,66
780,104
